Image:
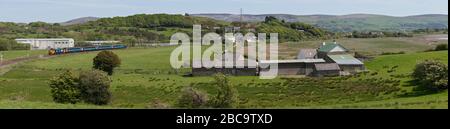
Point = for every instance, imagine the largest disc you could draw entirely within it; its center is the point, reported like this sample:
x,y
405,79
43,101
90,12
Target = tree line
x,y
143,28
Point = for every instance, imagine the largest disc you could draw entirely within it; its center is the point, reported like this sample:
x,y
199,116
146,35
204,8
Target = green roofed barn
x,y
331,48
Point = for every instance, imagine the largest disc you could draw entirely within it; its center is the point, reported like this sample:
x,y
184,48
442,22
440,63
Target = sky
x,y
63,10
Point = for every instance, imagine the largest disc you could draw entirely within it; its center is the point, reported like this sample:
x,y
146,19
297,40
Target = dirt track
x,y
23,59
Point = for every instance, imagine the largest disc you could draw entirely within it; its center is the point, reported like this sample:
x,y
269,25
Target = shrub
x,y
227,96
64,88
191,98
94,87
432,74
393,53
441,47
9,44
106,61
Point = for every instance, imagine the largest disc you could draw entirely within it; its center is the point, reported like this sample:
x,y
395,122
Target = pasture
x,y
7,55
369,46
146,80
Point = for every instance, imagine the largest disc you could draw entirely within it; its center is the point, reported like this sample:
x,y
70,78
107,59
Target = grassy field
x,y
45,105
370,46
21,53
433,101
146,80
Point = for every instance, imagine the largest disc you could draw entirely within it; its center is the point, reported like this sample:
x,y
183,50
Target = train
x,y
59,51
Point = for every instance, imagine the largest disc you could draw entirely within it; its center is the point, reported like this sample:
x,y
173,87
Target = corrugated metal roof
x,y
223,63
307,53
327,67
345,59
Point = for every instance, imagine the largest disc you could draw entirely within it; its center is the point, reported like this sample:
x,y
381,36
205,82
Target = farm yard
x,y
146,80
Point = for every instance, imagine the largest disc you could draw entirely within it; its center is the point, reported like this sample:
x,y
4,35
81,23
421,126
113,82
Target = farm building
x,y
245,70
326,69
331,49
347,63
292,67
237,70
43,44
331,59
228,71
307,54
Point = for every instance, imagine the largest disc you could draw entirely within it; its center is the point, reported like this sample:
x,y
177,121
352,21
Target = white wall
x,y
43,44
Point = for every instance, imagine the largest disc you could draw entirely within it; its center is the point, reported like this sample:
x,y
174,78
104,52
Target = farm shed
x,y
347,63
245,70
228,71
326,69
307,54
292,67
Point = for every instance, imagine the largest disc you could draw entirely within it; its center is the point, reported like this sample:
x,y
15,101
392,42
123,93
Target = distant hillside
x,y
155,28
141,28
79,21
348,23
161,26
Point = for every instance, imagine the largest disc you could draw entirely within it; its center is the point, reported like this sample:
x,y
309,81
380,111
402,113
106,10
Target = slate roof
x,y
330,46
307,54
345,59
327,67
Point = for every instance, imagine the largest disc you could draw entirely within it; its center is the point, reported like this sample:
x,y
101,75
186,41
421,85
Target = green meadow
x,y
367,46
146,80
7,55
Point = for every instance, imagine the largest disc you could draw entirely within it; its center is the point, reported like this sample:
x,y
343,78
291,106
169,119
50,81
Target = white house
x,y
42,44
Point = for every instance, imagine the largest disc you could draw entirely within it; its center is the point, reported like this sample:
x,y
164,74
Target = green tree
x,y
441,47
227,96
191,98
4,45
94,87
269,19
432,74
106,61
64,88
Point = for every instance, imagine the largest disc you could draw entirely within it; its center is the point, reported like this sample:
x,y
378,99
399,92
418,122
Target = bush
x,y
432,74
94,87
106,61
227,96
441,47
392,53
64,88
8,44
191,98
